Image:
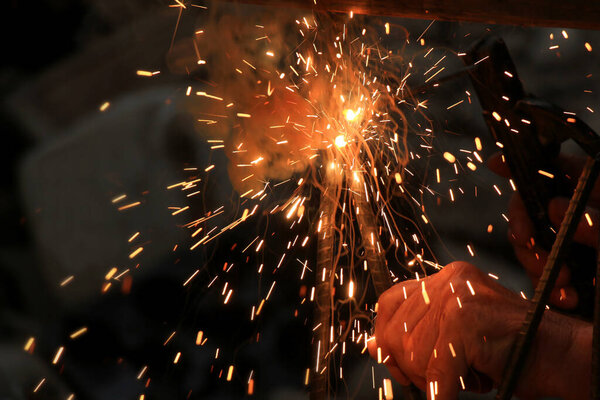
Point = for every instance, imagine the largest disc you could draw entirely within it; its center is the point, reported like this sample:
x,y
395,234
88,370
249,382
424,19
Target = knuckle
x,y
384,303
384,299
449,311
463,269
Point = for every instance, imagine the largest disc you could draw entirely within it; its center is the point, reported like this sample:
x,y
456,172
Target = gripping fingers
x,y
521,228
389,303
392,299
588,228
446,369
390,363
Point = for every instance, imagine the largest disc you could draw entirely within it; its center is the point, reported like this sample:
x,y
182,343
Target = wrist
x,y
561,364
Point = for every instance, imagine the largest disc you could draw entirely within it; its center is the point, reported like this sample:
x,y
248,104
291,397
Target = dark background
x,y
62,162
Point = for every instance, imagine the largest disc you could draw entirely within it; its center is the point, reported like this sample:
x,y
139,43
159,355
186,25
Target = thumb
x,y
588,227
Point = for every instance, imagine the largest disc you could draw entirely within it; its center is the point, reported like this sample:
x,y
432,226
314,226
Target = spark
x,y
449,157
350,114
471,288
147,73
588,218
79,332
128,206
58,354
340,141
29,345
136,252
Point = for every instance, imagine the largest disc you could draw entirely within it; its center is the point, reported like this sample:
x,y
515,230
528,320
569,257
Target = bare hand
x,y
521,232
454,331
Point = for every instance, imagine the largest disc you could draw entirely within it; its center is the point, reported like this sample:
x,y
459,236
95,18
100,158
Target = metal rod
x,y
580,14
556,258
376,263
378,270
322,311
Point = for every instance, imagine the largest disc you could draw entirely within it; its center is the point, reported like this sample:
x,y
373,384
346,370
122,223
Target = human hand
x,y
454,330
521,231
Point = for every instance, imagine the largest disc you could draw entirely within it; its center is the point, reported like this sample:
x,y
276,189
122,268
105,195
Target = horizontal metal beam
x,y
579,14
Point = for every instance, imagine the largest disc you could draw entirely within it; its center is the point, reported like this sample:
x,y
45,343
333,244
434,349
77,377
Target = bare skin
x,y
521,232
454,330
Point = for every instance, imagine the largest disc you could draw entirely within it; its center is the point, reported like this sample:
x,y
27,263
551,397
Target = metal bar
x,y
376,262
556,259
322,311
378,270
579,14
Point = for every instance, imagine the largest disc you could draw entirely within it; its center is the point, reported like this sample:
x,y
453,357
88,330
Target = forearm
x,y
563,358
